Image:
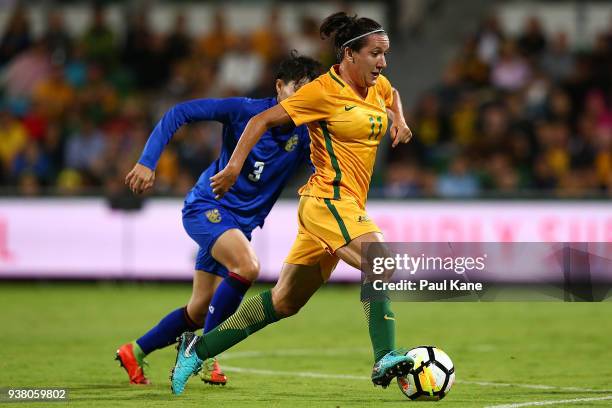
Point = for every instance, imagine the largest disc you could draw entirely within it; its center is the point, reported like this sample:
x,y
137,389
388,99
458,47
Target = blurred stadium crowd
x,y
510,116
513,116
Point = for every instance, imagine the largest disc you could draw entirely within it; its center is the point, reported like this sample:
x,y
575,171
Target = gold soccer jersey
x,y
345,131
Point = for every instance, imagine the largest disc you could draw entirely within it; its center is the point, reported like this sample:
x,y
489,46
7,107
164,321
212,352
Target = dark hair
x,y
295,68
342,28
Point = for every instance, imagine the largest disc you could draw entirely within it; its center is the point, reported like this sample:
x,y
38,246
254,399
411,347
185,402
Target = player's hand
x,y
400,133
221,182
140,179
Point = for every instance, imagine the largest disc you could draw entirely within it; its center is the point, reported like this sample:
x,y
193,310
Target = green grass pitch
x,y
65,335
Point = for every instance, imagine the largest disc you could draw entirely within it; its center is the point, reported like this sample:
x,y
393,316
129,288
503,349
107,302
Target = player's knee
x,y
284,307
248,269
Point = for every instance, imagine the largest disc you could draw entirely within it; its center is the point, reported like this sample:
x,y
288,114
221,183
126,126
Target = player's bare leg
x,y
203,289
295,286
388,363
234,251
351,252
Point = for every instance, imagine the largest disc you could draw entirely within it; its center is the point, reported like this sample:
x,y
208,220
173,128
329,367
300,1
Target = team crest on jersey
x,y
363,218
213,216
292,143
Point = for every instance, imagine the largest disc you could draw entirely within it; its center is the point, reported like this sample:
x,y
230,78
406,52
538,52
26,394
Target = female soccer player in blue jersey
x,y
226,263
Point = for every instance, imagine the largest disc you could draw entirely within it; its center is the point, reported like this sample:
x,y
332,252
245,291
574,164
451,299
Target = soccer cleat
x,y
212,374
187,362
393,364
131,364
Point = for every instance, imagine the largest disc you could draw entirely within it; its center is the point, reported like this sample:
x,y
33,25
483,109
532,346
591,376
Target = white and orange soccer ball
x,y
432,376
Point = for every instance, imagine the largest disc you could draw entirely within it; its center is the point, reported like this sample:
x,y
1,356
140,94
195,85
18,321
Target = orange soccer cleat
x,y
211,373
132,365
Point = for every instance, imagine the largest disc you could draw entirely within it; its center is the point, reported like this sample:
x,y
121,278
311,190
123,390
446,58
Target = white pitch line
x,y
541,403
307,374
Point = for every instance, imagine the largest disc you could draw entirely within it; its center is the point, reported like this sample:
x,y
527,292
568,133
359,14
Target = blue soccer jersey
x,y
267,169
271,163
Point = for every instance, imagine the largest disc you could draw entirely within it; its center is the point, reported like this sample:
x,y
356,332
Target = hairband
x,y
380,30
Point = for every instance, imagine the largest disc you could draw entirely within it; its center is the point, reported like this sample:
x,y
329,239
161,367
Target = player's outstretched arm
x,y
142,176
400,132
225,179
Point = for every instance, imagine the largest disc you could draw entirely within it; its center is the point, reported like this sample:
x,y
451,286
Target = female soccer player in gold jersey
x,y
346,111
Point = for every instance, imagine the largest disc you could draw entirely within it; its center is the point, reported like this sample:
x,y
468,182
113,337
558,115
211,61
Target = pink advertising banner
x,y
85,239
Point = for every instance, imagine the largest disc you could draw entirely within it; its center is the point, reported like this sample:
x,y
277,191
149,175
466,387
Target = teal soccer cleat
x,y
393,364
187,362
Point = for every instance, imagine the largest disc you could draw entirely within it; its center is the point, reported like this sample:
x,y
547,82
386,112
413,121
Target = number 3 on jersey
x,y
258,169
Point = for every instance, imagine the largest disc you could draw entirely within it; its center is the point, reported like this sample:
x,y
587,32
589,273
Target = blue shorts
x,y
205,222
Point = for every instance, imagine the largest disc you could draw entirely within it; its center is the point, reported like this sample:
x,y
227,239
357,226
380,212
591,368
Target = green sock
x,y
381,325
254,314
138,353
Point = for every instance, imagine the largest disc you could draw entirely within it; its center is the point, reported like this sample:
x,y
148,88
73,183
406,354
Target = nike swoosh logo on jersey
x,y
348,108
388,318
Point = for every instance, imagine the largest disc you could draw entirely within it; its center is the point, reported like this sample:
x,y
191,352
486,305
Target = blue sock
x,y
167,330
226,300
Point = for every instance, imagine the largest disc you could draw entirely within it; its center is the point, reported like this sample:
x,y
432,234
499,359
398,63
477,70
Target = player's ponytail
x,y
348,31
